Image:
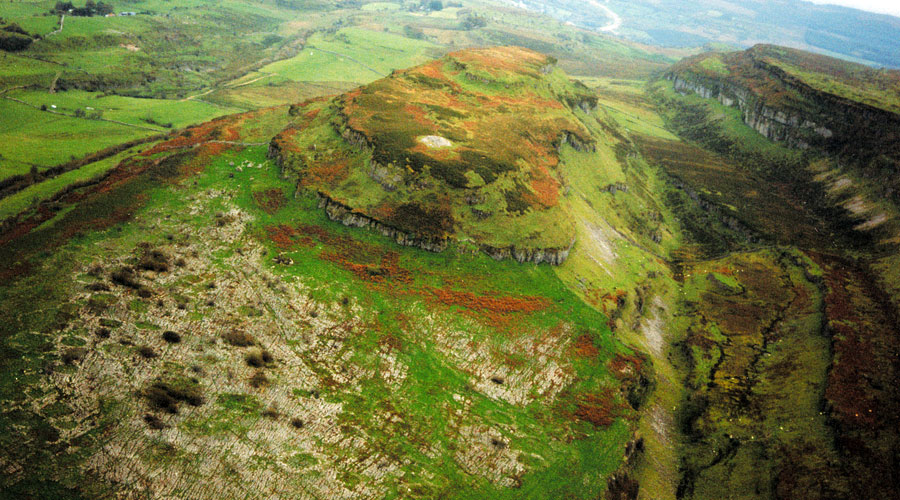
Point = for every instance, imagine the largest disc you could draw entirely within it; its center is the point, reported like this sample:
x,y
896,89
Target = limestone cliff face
x,y
553,256
339,212
864,136
793,127
794,112
345,215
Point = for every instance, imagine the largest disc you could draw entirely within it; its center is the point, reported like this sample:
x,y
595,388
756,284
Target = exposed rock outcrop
x,y
553,256
577,143
347,216
794,112
792,128
339,212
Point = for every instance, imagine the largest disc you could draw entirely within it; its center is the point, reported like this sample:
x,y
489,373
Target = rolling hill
x,y
441,250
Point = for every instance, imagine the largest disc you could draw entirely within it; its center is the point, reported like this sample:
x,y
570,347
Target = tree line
x,y
91,8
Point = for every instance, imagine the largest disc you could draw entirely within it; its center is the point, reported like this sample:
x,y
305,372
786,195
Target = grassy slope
x,y
96,52
46,139
325,274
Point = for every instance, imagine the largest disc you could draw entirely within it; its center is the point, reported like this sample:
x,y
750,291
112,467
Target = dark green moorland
x,y
438,250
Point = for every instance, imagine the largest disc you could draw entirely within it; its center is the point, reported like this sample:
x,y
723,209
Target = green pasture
x,y
352,55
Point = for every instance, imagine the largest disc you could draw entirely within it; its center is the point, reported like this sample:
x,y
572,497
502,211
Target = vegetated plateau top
x,y
467,146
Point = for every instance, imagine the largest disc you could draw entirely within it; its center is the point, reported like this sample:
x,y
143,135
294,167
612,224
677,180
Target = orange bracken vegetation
x,y
585,348
487,303
599,409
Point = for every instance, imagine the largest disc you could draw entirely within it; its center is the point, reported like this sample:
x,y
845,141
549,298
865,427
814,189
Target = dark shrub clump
x,y
166,397
171,337
154,422
126,277
239,339
258,358
154,260
146,352
74,354
259,379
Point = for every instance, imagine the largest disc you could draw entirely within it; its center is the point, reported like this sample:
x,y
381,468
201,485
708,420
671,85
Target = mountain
x,y
467,147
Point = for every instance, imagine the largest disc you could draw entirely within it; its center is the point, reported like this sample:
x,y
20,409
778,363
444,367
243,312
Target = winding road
x,y
616,22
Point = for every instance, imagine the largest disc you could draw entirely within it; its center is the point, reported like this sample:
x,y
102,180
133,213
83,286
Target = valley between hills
x,y
484,255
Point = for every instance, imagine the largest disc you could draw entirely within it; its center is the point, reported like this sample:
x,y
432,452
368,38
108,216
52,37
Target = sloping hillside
x,y
197,313
472,147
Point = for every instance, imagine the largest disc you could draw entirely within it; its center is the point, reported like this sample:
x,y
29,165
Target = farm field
x,y
36,137
47,139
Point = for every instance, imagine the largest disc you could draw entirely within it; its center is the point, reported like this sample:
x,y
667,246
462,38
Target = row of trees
x,y
90,8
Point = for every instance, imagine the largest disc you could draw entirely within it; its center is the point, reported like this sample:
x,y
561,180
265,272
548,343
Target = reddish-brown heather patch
x,y
432,70
626,366
387,269
311,114
546,190
286,237
497,60
327,171
418,115
861,385
270,200
585,348
490,303
598,409
212,130
381,268
283,140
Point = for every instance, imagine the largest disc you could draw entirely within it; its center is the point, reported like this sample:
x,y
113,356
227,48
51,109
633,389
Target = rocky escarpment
x,y
785,108
553,256
789,126
794,113
339,212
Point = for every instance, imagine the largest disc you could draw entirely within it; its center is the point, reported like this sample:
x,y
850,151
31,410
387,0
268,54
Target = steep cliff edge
x,y
848,111
467,149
